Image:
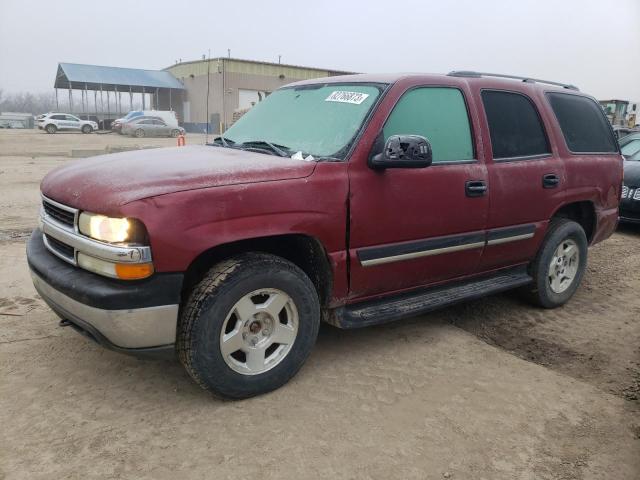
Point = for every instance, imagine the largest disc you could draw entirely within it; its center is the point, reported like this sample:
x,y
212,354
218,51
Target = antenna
x,y
206,135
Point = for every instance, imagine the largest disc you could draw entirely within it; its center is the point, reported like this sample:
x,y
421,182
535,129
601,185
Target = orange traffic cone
x,y
181,140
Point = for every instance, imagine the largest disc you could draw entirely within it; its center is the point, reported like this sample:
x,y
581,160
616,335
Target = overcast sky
x,y
594,44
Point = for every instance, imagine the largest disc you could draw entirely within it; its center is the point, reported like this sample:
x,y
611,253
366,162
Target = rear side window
x,y
514,125
583,124
440,115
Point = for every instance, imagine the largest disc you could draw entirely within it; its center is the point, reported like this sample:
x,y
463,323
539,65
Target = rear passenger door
x,y
526,178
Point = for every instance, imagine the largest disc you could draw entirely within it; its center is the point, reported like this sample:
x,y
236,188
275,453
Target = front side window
x,y
320,120
585,128
514,125
440,115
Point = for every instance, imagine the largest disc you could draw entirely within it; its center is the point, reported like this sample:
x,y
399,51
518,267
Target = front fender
x,y
183,225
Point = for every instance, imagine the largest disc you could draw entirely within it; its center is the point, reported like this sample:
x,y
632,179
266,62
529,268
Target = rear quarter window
x,y
583,124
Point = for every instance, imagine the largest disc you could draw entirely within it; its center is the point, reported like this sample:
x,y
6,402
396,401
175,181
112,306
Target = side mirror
x,y
403,151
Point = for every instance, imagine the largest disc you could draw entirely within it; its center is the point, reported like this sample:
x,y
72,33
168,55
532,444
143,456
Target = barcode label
x,y
347,97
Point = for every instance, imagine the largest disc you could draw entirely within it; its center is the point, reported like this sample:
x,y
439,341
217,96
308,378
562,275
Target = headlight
x,y
111,230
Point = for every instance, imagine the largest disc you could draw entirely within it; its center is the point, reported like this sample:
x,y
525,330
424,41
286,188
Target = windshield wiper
x,y
277,149
225,142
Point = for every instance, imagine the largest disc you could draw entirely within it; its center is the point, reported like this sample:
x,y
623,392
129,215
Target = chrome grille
x,y
58,213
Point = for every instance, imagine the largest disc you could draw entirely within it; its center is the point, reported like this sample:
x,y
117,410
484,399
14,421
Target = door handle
x,y
475,188
550,180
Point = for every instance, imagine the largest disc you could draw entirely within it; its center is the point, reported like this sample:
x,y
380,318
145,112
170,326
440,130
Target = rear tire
x,y
248,326
51,128
139,133
559,265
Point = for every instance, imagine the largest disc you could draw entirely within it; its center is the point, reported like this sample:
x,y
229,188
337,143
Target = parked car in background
x,y
357,200
630,197
52,122
622,131
168,116
150,127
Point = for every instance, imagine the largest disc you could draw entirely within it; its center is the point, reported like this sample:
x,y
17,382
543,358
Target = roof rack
x,y
470,74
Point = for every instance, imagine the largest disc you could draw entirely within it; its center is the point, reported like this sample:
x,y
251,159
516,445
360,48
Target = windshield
x,y
319,120
631,150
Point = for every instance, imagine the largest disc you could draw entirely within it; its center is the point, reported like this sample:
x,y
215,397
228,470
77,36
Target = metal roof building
x,y
101,80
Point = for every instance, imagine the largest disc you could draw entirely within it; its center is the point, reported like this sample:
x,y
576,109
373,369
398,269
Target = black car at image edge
x,y
630,198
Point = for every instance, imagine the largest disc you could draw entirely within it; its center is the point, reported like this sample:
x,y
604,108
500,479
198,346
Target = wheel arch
x,y
581,212
305,251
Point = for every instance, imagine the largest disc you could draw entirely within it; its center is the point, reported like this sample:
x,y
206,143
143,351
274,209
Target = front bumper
x,y
630,211
136,317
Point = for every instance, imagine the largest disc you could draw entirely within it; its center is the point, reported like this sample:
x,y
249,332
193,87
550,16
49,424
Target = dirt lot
x,y
492,389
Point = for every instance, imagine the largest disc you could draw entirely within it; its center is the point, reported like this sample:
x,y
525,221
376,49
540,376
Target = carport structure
x,y
106,81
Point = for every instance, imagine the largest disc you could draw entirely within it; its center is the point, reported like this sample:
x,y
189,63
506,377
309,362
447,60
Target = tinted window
x,y
72,118
58,117
583,124
514,125
439,115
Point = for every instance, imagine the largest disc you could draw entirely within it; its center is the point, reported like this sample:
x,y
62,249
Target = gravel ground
x,y
492,389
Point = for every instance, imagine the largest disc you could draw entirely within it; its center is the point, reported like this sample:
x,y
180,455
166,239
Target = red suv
x,y
356,200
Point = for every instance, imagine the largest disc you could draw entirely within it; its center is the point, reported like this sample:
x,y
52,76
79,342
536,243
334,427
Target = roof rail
x,y
470,74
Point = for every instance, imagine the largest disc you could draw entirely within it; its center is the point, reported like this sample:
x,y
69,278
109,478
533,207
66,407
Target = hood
x,y
632,173
104,182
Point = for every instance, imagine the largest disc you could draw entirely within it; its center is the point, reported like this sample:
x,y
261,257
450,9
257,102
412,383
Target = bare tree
x,y
27,102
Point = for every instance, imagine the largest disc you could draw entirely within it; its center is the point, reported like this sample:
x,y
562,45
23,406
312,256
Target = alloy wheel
x,y
563,267
259,331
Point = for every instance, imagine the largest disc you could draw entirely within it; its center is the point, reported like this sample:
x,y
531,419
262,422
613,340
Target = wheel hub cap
x,y
259,331
563,267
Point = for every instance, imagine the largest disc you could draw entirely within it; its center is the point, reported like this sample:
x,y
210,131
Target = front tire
x,y
559,266
139,133
175,133
87,129
248,326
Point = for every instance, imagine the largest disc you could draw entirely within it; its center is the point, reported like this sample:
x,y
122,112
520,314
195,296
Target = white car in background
x,y
52,122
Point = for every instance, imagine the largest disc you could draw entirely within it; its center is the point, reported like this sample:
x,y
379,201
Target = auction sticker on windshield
x,y
347,97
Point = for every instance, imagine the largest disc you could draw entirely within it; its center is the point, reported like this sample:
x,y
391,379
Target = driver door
x,y
72,122
412,227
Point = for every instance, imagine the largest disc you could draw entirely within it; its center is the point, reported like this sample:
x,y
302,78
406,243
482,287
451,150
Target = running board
x,y
411,304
